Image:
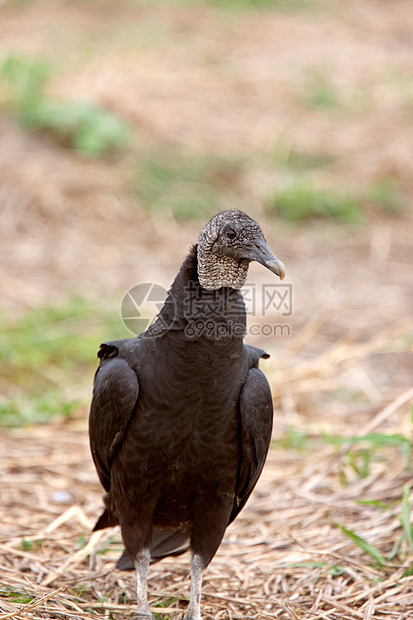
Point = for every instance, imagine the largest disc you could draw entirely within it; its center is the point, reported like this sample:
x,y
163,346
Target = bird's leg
x,y
197,569
142,565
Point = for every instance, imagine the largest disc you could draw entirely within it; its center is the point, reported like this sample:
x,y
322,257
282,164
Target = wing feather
x,y
115,393
256,413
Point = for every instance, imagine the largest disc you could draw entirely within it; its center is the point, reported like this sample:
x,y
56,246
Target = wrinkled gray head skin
x,y
227,245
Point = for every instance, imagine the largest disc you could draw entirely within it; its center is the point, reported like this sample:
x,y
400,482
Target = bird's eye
x,y
231,234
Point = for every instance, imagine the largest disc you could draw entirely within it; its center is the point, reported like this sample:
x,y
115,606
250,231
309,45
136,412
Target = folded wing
x,y
256,412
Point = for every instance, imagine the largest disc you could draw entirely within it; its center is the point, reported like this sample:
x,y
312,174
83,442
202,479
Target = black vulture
x,y
181,416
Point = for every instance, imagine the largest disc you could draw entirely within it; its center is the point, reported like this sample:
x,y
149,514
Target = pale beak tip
x,y
277,267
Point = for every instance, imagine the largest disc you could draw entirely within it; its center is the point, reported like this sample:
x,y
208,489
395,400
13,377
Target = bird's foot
x,y
139,616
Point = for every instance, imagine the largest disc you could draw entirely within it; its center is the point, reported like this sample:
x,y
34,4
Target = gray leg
x,y
142,565
197,569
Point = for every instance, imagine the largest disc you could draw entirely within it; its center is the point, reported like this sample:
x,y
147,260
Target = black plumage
x,y
181,416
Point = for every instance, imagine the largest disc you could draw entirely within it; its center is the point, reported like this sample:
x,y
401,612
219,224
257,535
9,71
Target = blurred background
x,y
126,125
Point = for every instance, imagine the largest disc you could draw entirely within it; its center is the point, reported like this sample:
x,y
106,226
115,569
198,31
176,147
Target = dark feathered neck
x,y
200,313
189,269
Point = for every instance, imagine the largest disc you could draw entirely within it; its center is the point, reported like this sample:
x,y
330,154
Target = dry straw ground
x,y
195,77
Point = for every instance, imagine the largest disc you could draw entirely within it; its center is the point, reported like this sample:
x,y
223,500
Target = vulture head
x,y
225,248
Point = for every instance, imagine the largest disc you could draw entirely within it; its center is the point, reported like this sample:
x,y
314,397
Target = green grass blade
x,y
363,544
374,439
396,548
373,502
405,517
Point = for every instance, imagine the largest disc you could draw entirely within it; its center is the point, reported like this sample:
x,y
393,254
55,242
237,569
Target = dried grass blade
x,y
36,602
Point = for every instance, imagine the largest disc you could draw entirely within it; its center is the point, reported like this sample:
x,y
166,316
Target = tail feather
x,y
106,519
164,542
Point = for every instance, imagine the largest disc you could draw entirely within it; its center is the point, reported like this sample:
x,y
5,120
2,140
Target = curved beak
x,y
263,255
